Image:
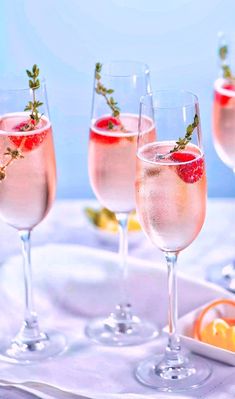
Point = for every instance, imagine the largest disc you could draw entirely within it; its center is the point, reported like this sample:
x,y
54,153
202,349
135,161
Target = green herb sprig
x,y
106,93
223,55
182,142
34,84
13,154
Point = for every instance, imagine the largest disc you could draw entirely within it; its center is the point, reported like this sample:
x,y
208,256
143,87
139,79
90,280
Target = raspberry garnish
x,y
29,142
189,172
23,126
106,124
221,98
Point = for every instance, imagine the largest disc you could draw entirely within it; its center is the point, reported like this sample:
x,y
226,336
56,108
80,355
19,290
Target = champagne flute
x,y
223,120
171,205
118,87
27,191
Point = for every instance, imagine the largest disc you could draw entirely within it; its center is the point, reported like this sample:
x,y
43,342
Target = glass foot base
x,y
47,346
114,332
155,373
223,275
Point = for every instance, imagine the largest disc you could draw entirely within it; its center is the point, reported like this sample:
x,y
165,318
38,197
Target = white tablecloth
x,y
66,224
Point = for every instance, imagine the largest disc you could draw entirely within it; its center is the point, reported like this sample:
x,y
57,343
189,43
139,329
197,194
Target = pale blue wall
x,y
177,38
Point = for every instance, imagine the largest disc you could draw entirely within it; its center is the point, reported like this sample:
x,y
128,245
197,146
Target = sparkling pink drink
x,y
171,194
224,121
28,189
112,160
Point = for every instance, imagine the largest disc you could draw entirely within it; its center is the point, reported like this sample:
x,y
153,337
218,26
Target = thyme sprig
x,y
223,55
13,155
106,93
182,142
34,84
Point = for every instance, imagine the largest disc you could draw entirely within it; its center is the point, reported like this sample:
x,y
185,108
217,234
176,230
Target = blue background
x,y
177,38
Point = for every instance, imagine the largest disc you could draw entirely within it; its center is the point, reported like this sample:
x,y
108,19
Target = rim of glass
x,y
145,69
170,163
154,94
26,133
219,89
121,134
23,82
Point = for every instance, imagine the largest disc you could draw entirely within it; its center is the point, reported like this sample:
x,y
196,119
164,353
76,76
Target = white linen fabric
x,y
73,284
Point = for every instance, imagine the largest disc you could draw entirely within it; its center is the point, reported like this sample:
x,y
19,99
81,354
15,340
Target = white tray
x,y
185,328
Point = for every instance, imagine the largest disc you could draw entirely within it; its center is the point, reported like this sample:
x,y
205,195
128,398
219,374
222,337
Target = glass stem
x,y
122,219
173,350
30,329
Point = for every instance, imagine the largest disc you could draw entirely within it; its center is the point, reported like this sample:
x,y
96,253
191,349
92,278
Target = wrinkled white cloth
x,y
70,290
73,284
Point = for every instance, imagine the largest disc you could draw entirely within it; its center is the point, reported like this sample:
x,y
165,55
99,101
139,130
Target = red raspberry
x,y
106,124
221,98
30,142
190,172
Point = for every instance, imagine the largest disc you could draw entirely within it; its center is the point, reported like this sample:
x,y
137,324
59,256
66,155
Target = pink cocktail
x,y
28,190
171,205
118,87
223,119
112,159
223,130
171,195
